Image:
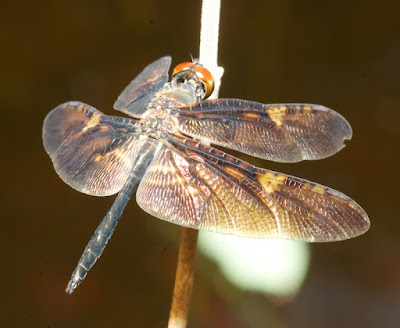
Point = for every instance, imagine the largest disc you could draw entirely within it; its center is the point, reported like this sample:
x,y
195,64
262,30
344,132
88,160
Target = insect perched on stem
x,y
189,183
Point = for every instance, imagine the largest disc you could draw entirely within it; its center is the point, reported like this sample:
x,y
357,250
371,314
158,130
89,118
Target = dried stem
x,y
184,279
187,250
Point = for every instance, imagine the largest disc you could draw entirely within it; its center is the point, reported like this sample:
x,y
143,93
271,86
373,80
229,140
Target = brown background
x,y
343,54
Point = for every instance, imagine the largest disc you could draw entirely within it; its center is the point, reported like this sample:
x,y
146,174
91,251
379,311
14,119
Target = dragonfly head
x,y
195,76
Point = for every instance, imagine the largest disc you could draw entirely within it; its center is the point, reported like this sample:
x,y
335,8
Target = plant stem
x,y
187,249
184,279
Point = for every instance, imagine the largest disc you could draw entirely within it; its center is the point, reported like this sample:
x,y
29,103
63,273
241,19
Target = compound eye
x,y
182,66
202,73
205,76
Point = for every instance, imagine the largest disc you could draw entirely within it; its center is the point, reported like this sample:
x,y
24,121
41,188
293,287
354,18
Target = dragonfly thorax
x,y
157,121
171,97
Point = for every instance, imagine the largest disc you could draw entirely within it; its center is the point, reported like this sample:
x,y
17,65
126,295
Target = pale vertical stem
x,y
187,249
209,41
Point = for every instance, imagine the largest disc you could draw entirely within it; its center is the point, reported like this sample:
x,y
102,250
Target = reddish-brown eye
x,y
202,73
205,76
182,66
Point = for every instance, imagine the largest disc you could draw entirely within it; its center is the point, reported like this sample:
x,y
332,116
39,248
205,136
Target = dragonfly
x,y
163,150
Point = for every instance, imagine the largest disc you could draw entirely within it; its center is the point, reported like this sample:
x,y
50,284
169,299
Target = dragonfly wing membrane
x,y
91,152
134,99
277,132
199,187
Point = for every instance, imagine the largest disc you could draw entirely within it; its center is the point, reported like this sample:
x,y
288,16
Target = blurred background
x,y
342,54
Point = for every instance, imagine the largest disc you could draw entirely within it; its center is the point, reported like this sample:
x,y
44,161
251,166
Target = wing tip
x,y
167,59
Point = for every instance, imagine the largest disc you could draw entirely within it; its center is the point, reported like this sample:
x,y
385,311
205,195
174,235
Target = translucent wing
x,y
277,132
91,152
196,186
135,97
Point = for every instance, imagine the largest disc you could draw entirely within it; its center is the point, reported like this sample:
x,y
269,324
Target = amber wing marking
x,y
91,152
278,132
